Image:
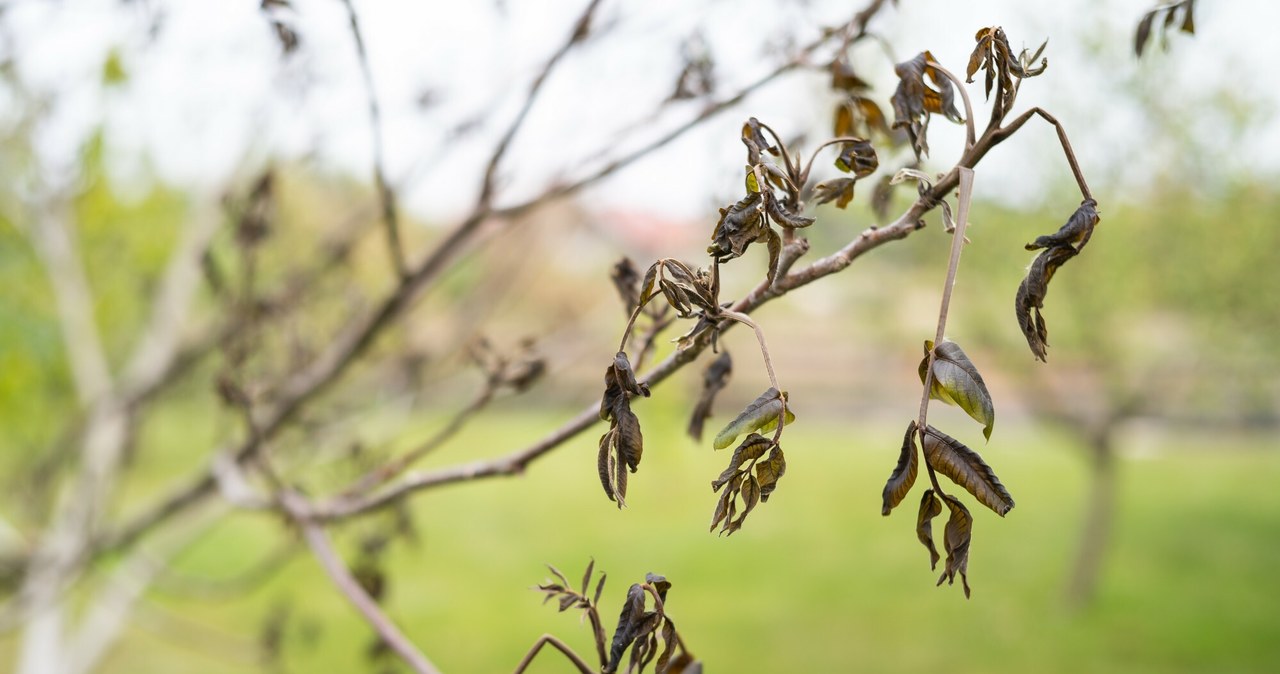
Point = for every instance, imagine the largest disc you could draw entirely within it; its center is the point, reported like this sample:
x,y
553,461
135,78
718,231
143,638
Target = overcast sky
x,y
208,94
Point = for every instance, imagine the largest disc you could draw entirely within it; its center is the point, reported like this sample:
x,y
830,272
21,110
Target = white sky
x,y
208,96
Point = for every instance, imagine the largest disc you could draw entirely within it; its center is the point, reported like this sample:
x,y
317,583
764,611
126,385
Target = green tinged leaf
x,y
930,508
904,475
956,381
958,534
966,468
760,415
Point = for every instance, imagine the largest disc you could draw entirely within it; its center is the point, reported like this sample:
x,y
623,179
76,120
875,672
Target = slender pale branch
x,y
957,245
346,583
580,30
386,195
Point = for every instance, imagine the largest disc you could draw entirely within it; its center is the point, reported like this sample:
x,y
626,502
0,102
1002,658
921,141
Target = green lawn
x,y
817,581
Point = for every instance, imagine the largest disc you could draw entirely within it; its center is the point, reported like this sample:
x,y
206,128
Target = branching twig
x,y
350,587
386,196
580,30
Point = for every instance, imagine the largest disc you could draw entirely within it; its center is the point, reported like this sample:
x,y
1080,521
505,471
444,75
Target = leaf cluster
x,y
623,444
648,633
915,101
1167,15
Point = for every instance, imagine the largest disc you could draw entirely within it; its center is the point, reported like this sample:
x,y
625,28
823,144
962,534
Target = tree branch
x,y
320,546
386,195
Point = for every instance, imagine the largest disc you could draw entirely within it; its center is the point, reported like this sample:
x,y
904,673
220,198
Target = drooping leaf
x,y
784,217
839,190
722,508
714,379
858,157
753,138
1063,245
1075,233
956,381
966,468
844,79
619,384
769,471
629,623
760,415
904,474
914,100
930,508
739,226
956,539
1170,13
626,280
752,448
622,446
994,55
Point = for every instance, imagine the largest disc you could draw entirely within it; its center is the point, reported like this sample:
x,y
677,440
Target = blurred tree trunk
x,y
1100,511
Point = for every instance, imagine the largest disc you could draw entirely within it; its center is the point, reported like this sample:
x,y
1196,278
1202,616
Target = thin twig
x,y
580,30
560,646
957,245
386,196
341,576
393,468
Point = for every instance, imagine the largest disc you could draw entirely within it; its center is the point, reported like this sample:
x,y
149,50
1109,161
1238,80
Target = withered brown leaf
x,y
622,446
714,379
930,508
914,100
956,539
858,157
966,468
1075,233
839,190
904,474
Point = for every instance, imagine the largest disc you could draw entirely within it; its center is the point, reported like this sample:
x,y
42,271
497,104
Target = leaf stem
x,y
559,645
768,365
957,245
971,134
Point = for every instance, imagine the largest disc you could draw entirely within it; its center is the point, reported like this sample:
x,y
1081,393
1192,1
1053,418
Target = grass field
x,y
817,581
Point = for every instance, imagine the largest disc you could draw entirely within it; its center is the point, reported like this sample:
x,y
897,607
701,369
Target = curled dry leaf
x,y
714,379
1061,246
630,622
740,483
1170,11
993,55
930,507
839,190
914,100
857,157
966,468
956,539
904,474
753,138
626,280
1075,233
956,381
860,116
740,225
760,415
623,444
